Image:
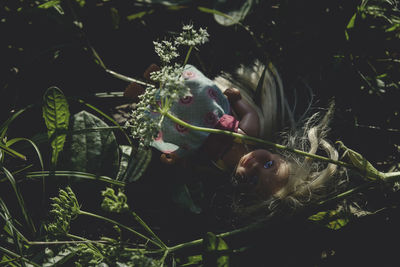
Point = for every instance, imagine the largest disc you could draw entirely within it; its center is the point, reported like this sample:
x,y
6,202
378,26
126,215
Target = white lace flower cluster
x,y
143,126
171,85
171,82
166,50
191,37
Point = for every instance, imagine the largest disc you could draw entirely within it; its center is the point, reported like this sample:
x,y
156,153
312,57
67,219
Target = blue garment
x,y
203,106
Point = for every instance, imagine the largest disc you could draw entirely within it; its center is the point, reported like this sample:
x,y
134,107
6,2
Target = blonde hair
x,y
309,179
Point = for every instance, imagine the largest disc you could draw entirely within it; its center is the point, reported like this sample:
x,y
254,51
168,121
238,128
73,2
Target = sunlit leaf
x,y
139,14
56,116
332,219
212,245
361,163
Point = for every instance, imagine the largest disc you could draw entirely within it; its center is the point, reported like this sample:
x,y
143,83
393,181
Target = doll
x,y
265,173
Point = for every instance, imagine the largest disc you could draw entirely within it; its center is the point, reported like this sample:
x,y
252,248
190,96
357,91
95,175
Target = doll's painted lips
x,y
246,161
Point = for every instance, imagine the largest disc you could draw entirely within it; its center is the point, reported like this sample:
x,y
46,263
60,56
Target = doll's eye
x,y
268,164
253,180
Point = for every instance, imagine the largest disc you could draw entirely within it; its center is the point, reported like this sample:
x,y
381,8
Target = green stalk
x,y
254,139
388,177
198,242
145,226
40,174
187,56
122,226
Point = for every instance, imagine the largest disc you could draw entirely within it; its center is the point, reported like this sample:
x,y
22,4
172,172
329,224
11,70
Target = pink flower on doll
x,y
159,136
212,93
187,74
186,100
180,128
211,118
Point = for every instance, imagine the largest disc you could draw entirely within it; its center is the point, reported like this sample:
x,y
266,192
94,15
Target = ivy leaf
x,y
332,219
56,116
212,244
361,163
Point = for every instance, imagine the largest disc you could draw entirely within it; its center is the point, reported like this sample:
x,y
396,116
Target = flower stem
x,y
187,56
145,226
122,226
254,139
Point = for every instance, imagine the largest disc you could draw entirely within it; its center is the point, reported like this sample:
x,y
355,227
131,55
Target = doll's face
x,y
263,172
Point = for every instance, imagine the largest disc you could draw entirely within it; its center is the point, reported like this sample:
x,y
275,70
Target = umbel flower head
x,y
65,208
166,51
191,37
171,86
112,202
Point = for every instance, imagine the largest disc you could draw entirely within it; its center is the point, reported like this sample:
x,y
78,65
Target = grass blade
x,y
11,152
8,220
4,126
21,202
75,174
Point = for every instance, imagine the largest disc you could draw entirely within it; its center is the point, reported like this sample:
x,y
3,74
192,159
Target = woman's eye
x,y
268,164
253,180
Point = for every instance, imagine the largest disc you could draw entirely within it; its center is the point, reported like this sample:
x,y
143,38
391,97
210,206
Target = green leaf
x,y
332,219
233,11
137,165
361,163
212,244
351,23
91,151
56,116
49,4
139,15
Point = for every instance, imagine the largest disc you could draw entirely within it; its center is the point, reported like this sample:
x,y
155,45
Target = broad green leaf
x,y
212,244
56,116
361,163
331,219
138,163
91,151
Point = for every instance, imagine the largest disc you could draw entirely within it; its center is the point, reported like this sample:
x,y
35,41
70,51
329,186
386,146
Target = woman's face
x,y
263,172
